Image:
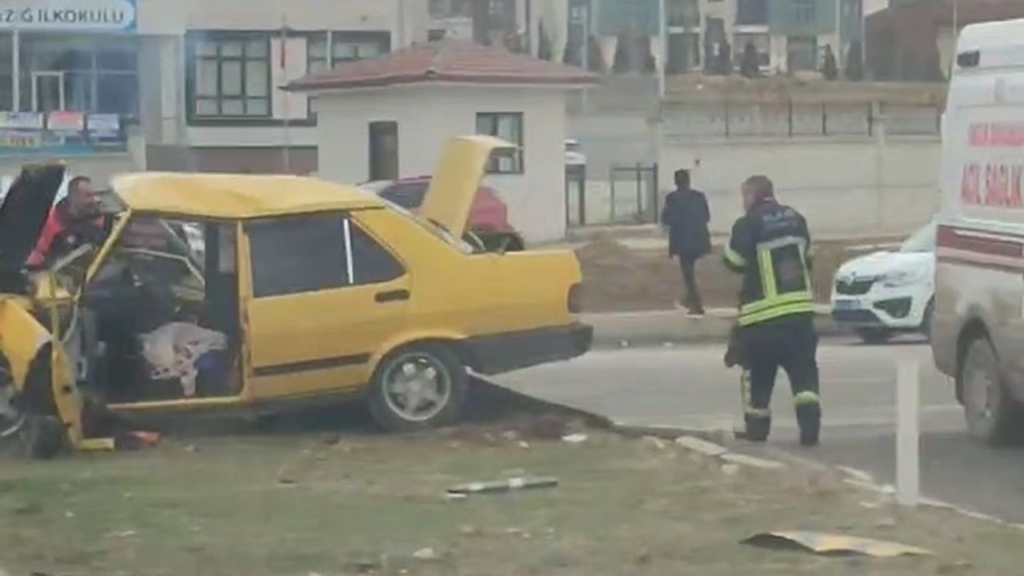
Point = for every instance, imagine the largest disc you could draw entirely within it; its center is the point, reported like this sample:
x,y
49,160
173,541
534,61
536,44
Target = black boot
x,y
758,427
808,416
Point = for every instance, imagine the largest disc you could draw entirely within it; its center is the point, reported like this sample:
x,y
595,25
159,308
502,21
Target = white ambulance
x,y
978,323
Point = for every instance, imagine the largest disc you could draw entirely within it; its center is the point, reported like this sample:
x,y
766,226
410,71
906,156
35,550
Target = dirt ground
x,y
329,503
617,278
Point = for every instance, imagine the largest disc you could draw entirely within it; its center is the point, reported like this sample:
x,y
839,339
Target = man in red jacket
x,y
73,221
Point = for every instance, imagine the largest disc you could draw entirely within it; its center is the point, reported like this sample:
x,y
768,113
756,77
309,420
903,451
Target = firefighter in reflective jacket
x,y
770,246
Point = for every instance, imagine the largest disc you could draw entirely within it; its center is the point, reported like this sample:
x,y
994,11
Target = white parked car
x,y
888,292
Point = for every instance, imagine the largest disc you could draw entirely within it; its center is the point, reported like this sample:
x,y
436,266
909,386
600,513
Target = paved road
x,y
688,386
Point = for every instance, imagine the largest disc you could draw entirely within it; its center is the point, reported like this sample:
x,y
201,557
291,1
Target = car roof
x,y
236,196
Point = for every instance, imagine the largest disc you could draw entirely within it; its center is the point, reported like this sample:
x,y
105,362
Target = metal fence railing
x,y
789,120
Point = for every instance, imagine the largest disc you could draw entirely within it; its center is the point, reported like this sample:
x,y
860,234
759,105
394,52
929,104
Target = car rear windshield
x,y
435,229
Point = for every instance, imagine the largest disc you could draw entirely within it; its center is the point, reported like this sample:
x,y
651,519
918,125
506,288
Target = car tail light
x,y
575,301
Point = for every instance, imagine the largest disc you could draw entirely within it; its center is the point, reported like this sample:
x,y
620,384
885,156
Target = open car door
x,y
24,211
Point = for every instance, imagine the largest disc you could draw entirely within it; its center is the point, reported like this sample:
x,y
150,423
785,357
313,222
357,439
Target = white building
x,y
120,84
390,118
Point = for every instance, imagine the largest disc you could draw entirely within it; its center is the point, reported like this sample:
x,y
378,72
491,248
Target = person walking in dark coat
x,y
686,216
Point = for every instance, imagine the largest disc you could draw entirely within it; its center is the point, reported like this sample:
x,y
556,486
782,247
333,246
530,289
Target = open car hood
x,y
453,187
24,212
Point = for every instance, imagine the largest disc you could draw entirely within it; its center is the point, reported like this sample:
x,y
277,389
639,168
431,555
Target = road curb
x,y
675,327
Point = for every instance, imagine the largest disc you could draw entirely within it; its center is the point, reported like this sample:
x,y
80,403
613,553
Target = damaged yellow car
x,y
264,293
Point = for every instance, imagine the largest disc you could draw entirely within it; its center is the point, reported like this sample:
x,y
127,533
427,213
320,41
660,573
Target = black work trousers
x,y
790,343
691,299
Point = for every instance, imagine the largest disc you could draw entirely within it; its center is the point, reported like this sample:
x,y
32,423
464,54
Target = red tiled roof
x,y
445,61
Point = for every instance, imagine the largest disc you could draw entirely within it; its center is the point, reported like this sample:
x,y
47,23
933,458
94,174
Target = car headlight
x,y
903,277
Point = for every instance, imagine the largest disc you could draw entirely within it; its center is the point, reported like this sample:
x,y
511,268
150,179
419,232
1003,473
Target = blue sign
x,y
69,15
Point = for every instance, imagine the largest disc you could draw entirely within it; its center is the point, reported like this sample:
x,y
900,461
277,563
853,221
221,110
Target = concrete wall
x,y
428,115
851,185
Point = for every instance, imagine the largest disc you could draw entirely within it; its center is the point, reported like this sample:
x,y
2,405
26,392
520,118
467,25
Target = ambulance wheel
x,y
418,387
992,415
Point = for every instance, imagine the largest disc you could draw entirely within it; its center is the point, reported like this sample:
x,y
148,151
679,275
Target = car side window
x,y
408,196
371,262
298,254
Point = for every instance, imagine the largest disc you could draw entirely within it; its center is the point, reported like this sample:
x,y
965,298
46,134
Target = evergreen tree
x,y
748,63
829,68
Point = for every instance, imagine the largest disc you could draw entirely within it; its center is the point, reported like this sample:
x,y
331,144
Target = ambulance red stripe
x,y
980,249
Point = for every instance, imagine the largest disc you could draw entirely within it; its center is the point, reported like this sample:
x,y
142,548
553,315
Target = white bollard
x,y
908,431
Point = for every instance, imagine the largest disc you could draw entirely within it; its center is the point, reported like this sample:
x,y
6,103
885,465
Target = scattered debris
x,y
833,544
702,446
455,496
524,444
655,442
730,469
744,460
122,534
363,566
857,475
574,438
499,486
27,509
425,554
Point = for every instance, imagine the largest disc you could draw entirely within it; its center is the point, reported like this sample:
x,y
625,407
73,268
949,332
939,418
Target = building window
x,y
443,9
760,42
752,13
383,141
802,53
230,76
804,11
509,127
683,13
683,52
345,47
79,72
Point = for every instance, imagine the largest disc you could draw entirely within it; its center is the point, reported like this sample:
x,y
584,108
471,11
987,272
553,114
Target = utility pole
x,y
286,152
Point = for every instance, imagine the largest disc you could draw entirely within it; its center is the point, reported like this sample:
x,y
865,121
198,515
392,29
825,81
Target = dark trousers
x,y
790,343
691,299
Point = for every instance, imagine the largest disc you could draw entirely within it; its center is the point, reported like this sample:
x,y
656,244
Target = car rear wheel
x,y
991,413
418,387
41,435
874,335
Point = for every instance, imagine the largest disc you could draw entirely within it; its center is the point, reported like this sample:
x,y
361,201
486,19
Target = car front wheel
x,y
991,413
418,387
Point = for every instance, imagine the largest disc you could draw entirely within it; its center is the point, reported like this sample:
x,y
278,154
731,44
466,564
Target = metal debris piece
x,y
499,486
833,544
425,554
574,438
744,460
701,446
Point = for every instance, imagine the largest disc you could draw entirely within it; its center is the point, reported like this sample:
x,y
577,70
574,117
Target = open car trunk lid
x,y
24,211
454,185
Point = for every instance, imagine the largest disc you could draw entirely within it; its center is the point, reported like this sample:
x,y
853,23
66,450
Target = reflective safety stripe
x,y
745,388
735,258
776,311
748,409
806,397
791,298
764,260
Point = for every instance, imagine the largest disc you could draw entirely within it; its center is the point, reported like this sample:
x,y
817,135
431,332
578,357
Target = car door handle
x,y
391,296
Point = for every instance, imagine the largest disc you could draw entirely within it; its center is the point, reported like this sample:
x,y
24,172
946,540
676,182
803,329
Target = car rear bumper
x,y
498,353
